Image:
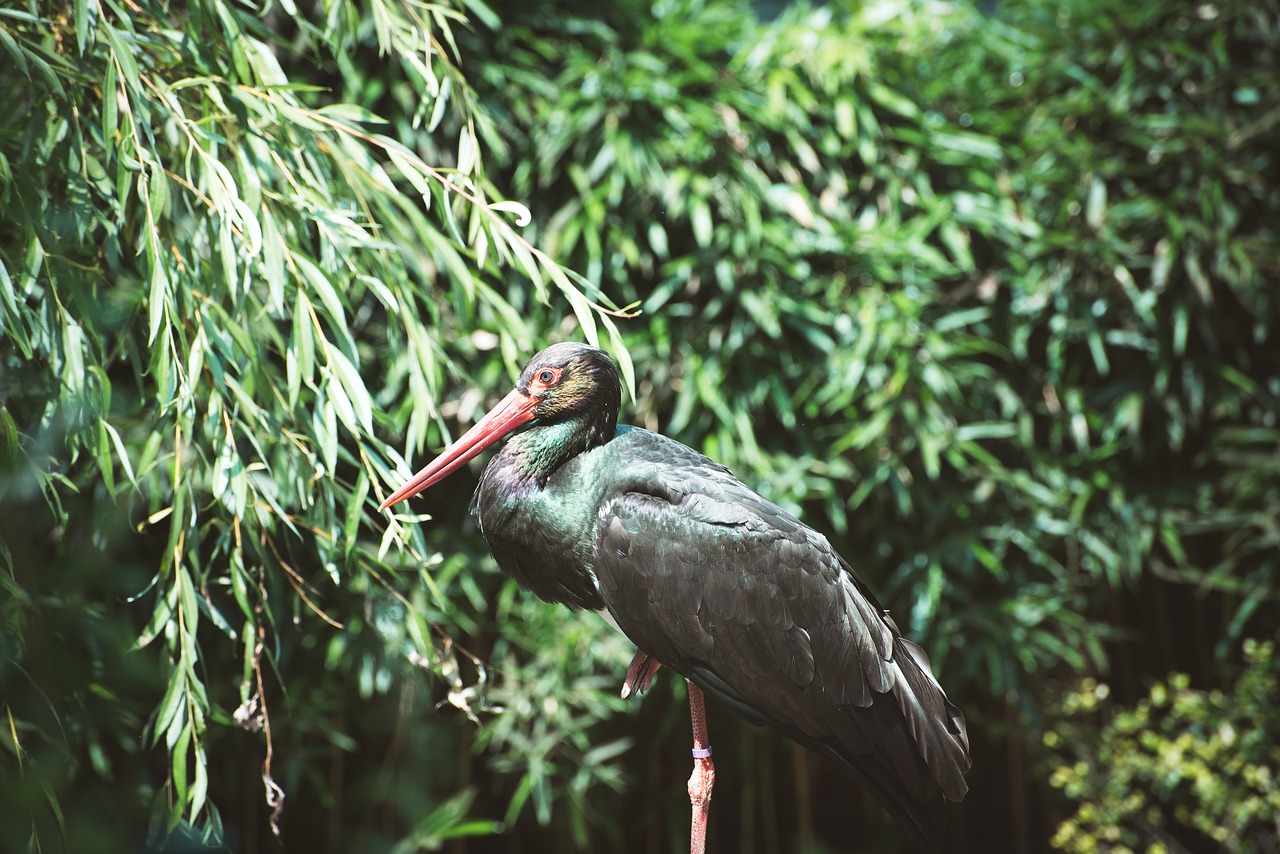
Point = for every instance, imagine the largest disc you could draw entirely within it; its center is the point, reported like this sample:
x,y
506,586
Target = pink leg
x,y
704,771
639,674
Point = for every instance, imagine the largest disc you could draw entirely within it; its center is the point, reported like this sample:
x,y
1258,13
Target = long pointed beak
x,y
514,410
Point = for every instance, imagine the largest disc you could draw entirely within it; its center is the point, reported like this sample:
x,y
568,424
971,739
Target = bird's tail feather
x,y
922,746
936,726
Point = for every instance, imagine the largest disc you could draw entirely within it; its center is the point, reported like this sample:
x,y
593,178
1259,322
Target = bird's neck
x,y
536,454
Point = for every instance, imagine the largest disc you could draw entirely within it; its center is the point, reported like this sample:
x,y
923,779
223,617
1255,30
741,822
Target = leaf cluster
x,y
223,290
1181,769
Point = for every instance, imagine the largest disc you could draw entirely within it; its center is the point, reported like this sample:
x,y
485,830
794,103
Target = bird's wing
x,y
729,590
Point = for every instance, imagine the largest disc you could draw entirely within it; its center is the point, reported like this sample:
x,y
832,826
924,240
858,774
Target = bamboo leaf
x,y
355,513
121,453
353,388
10,441
156,301
523,216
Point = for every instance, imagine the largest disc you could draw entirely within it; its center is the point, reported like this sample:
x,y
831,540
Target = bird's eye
x,y
546,377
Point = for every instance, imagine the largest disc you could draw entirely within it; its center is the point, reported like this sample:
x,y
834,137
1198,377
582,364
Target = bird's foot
x,y
639,674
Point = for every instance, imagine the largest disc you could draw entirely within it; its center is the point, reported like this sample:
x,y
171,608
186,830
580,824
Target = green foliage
x,y
552,701
1143,307
222,290
1179,768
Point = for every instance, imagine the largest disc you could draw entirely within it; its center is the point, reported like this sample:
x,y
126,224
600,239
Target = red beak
x,y
514,410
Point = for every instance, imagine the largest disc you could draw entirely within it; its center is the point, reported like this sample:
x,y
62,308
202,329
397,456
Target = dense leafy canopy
x,y
984,293
1210,754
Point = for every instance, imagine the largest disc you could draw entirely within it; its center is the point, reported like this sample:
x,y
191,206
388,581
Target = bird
x,y
710,579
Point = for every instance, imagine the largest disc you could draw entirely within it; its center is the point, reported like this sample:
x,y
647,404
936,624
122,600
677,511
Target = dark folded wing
x,y
732,592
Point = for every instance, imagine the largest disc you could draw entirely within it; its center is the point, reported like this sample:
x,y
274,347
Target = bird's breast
x,y
543,534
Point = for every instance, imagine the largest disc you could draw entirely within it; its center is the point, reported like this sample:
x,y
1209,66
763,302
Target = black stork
x,y
709,579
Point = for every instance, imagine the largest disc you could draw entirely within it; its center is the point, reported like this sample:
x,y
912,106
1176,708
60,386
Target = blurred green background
x,y
985,292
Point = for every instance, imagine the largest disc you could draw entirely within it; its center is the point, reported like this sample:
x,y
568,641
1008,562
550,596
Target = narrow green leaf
x,y
441,101
293,378
522,214
340,404
167,711
10,444
355,512
324,423
353,113
178,750
121,452
319,282
604,752
16,53
73,371
158,187
84,23
156,301
354,388
623,357
700,220
273,260
103,456
199,786
411,171
303,339
123,59
159,620
46,73
14,313
390,534
1096,206
986,430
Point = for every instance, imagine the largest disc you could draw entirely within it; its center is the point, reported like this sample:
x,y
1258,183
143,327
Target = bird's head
x,y
572,386
570,381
